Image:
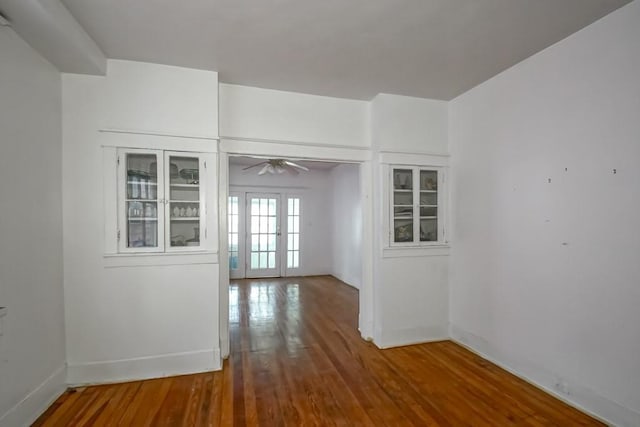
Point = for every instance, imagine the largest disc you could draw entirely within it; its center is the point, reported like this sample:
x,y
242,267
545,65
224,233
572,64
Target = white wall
x,y
132,322
408,124
272,115
346,224
32,349
411,284
544,275
315,190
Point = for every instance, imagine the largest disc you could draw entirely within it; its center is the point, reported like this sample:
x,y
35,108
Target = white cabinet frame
x,y
415,190
207,221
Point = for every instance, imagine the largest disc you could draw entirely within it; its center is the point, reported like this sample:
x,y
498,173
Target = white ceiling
x,y
344,48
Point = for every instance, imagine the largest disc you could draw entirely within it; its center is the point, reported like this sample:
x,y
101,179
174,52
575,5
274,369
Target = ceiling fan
x,y
278,166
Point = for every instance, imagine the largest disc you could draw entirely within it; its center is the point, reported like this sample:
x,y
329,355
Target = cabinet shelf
x,y
428,191
185,218
184,201
142,218
141,183
190,186
429,217
403,190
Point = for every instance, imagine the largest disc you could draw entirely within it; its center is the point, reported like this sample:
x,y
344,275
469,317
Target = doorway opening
x,y
303,222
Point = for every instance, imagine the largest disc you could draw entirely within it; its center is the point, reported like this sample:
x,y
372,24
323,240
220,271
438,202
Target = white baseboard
x,y
25,412
577,395
411,336
351,281
142,368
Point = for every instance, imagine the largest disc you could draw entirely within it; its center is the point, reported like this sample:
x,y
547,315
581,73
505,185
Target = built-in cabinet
x,y
162,200
416,206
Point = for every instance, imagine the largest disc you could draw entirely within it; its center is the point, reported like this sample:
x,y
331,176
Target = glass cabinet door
x,y
414,205
428,206
184,200
403,205
141,200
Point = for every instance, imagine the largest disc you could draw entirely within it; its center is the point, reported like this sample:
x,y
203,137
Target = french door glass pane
x,y
184,200
233,213
263,233
142,200
293,232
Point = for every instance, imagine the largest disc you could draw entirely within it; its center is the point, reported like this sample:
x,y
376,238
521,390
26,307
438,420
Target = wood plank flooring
x,y
297,359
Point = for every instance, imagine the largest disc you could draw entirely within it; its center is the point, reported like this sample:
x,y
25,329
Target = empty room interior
x,y
419,212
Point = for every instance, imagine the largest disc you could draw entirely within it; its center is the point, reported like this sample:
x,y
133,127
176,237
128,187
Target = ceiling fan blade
x,y
266,168
253,166
295,165
290,169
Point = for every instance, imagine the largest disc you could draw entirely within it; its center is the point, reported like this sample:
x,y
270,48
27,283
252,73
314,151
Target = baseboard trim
x,y
349,281
25,412
570,392
142,368
410,336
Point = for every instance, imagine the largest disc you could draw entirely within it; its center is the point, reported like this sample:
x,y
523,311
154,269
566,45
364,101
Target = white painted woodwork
x,y
252,113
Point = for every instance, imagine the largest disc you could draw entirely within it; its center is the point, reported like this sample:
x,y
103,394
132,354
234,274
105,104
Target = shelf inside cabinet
x,y
403,190
141,218
428,217
190,186
185,218
428,191
142,183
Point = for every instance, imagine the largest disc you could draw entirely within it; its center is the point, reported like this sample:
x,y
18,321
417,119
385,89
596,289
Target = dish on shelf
x,y
173,170
403,233
192,176
178,240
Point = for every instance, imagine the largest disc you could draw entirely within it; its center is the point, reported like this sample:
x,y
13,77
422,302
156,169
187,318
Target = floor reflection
x,y
266,314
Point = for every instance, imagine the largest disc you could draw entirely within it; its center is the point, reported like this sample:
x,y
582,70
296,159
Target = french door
x,y
262,246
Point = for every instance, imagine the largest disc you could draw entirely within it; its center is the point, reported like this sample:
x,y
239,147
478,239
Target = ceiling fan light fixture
x,y
278,166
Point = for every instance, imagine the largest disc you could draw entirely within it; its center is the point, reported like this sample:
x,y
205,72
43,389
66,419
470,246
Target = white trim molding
x,y
413,159
290,149
410,336
141,368
28,410
159,259
422,251
159,141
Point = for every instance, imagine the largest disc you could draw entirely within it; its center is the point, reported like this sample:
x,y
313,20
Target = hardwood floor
x,y
297,359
